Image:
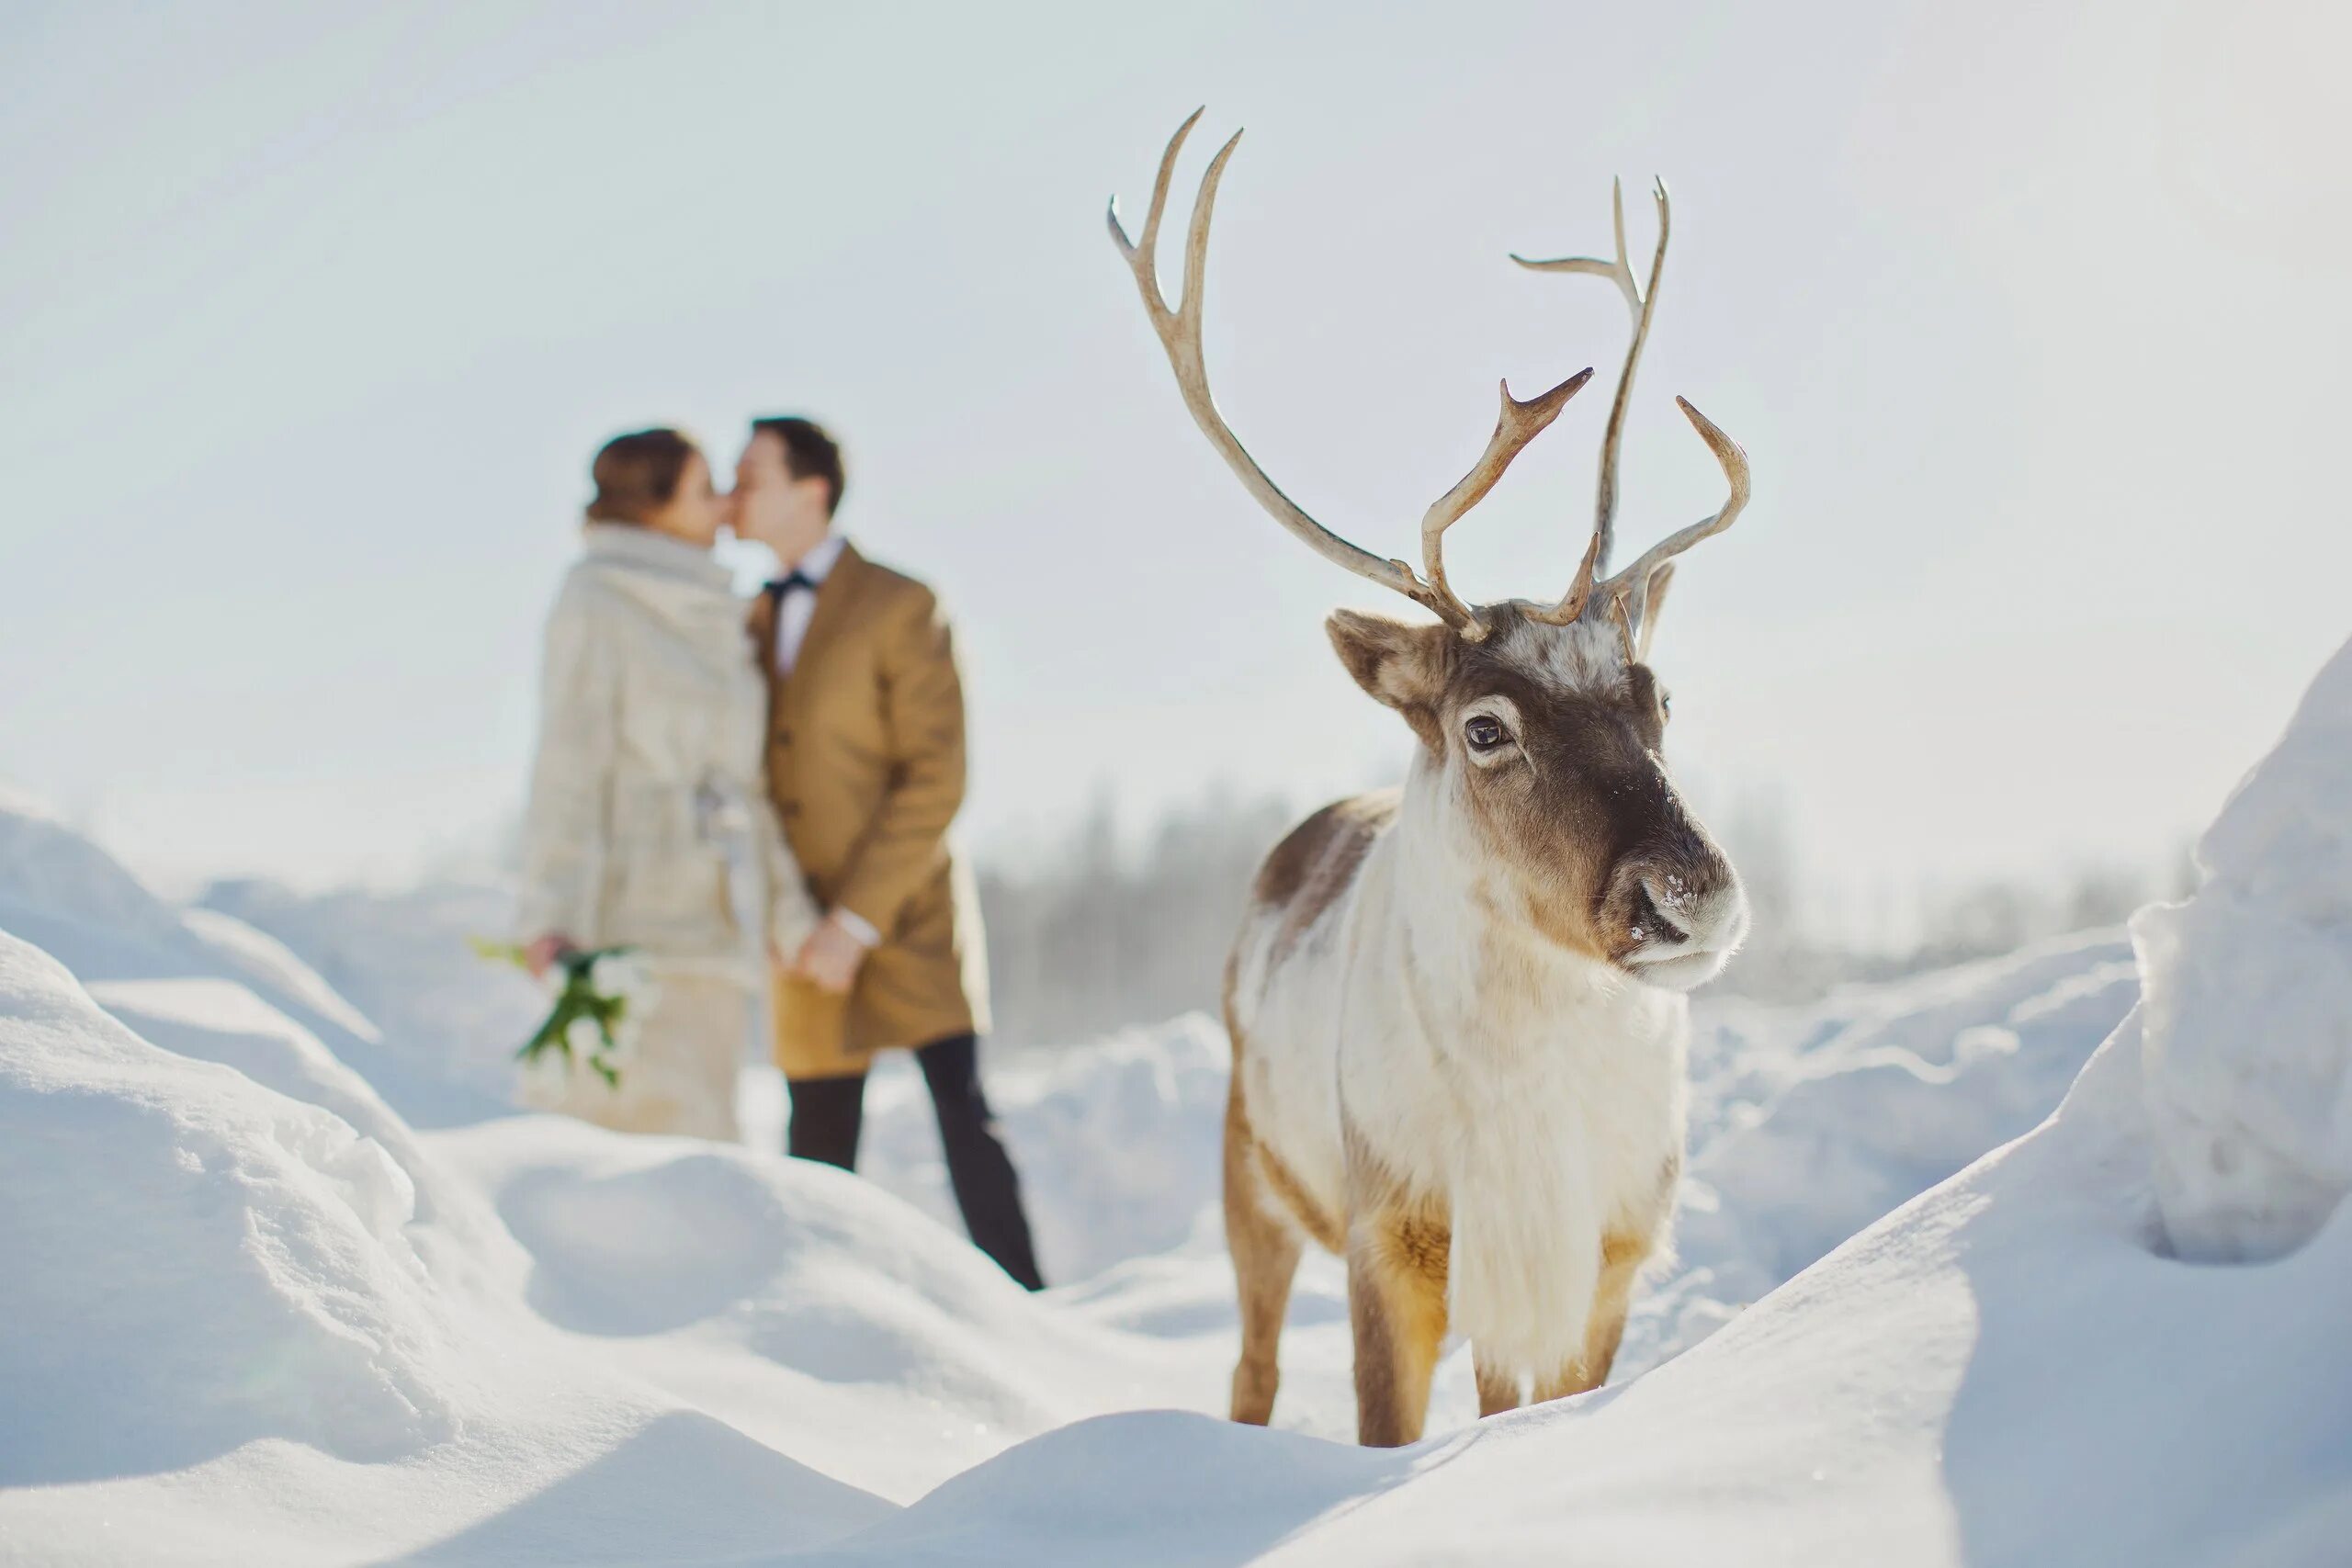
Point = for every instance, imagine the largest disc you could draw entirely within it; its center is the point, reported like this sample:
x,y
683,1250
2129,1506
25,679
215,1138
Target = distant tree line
x,y
1105,924
1097,931
1102,927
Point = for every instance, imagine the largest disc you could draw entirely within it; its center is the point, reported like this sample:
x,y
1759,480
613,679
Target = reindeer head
x,y
1541,725
1546,745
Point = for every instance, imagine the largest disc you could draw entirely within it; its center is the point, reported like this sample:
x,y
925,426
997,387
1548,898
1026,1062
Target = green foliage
x,y
576,999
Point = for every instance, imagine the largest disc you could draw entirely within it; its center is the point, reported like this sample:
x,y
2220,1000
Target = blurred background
x,y
2032,318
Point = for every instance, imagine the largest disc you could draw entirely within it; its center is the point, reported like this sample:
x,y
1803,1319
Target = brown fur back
x,y
1301,877
1316,863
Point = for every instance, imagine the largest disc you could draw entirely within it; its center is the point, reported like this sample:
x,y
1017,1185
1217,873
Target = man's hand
x,y
830,958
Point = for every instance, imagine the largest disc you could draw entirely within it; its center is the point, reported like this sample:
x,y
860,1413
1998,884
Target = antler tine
x,y
1619,271
1519,424
1179,327
1148,249
1633,584
1643,302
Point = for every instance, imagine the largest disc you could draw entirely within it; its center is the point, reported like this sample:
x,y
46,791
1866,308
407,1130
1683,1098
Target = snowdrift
x,y
2249,1018
250,1318
256,1315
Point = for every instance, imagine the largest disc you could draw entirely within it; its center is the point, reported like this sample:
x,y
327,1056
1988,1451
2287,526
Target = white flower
x,y
585,1038
619,974
625,1033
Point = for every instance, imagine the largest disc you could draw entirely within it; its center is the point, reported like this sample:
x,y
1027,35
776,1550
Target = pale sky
x,y
2033,319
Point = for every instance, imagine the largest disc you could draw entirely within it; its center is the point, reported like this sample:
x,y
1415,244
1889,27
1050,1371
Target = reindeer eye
x,y
1485,733
1665,705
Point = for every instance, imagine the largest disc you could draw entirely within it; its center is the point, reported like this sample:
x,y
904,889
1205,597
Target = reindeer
x,y
1457,1010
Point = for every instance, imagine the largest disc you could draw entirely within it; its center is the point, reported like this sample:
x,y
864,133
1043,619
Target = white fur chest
x,y
1542,1122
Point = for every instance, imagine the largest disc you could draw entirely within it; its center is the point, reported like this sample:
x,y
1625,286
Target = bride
x,y
648,825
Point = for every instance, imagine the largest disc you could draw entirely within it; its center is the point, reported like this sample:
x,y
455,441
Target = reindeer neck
x,y
1467,949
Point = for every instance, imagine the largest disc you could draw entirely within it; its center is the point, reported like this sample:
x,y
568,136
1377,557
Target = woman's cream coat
x,y
649,824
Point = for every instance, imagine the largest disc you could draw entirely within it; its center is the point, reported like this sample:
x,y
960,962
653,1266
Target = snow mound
x,y
404,959
70,898
46,866
1809,1123
2248,1030
1154,1487
254,1317
271,1233
804,1305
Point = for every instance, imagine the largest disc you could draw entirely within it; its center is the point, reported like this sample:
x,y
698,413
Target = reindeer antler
x,y
1180,335
1627,592
1643,303
1633,583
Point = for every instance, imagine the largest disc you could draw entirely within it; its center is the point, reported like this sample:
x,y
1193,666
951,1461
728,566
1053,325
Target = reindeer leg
x,y
1396,1269
1265,1250
1623,1253
1498,1390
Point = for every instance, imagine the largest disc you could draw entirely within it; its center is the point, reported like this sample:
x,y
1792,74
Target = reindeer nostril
x,y
1649,911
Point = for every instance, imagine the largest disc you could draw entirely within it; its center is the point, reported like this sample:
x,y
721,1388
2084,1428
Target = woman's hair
x,y
638,474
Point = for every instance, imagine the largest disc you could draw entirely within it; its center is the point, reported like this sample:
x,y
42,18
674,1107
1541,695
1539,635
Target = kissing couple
x,y
755,797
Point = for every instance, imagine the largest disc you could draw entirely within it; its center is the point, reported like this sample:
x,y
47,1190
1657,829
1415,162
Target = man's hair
x,y
638,474
810,452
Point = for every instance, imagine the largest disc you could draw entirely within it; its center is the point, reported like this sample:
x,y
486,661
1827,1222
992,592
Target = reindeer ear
x,y
1400,664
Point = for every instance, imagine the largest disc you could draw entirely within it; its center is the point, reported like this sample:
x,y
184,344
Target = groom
x,y
865,761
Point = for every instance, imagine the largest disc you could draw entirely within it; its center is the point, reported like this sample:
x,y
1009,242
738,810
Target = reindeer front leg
x,y
1396,1269
1499,1389
1622,1253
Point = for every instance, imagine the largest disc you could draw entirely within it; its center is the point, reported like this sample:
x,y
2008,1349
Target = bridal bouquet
x,y
600,994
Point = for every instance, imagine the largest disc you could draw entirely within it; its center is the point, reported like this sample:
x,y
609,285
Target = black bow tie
x,y
787,582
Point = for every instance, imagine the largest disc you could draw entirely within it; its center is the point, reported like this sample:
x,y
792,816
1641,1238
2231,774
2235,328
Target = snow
x,y
402,958
284,1282
2254,1111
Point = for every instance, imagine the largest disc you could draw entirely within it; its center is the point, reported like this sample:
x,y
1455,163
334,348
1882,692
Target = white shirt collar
x,y
818,564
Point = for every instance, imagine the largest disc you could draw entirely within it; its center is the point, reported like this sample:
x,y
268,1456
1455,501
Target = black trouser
x,y
827,1114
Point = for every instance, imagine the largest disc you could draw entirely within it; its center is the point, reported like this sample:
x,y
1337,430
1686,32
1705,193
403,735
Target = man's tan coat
x,y
865,762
